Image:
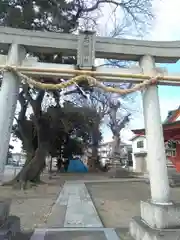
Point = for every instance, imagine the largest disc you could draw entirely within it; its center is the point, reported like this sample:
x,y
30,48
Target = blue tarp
x,y
76,165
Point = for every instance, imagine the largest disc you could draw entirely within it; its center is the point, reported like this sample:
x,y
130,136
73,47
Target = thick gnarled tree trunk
x,y
36,160
32,169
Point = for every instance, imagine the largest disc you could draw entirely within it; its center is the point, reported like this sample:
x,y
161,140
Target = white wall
x,y
137,150
134,145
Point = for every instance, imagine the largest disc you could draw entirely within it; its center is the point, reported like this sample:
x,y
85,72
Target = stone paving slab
x,y
74,217
56,219
81,211
75,234
123,233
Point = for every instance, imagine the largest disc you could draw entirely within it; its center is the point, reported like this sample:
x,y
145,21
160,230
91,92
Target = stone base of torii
x,y
160,217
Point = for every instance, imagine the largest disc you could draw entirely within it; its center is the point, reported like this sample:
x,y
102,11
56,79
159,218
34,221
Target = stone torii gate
x,y
158,213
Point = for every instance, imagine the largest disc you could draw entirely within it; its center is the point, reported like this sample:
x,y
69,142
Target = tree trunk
x,y
50,165
32,169
116,145
59,164
29,156
50,160
93,159
36,165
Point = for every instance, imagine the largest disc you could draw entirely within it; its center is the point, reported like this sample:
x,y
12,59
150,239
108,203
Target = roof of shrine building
x,y
171,126
172,115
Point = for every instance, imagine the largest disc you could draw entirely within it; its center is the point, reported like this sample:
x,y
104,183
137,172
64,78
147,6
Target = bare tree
x,y
116,114
131,23
117,121
126,16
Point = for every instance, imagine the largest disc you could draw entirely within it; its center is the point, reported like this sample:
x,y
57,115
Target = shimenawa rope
x,y
91,81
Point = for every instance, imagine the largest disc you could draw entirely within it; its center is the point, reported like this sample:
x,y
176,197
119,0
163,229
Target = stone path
x,y
74,217
75,234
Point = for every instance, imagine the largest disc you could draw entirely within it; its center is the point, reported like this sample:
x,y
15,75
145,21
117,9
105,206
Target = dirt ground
x,y
34,205
117,203
81,176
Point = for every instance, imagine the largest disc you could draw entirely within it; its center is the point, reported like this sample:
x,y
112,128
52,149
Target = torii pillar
x,y
8,99
158,213
156,157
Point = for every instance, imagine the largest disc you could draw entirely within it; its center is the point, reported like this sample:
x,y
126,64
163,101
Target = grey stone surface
x,y
14,224
123,233
74,217
23,235
140,231
80,208
160,216
10,229
56,219
122,49
62,200
39,234
4,209
75,235
110,234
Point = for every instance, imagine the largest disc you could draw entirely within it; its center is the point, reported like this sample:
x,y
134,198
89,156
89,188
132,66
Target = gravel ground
x,y
34,205
117,203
